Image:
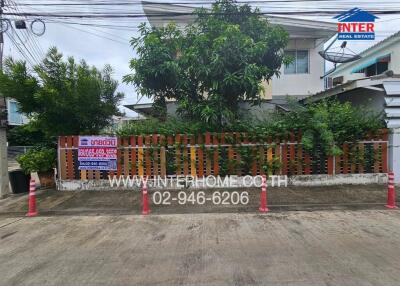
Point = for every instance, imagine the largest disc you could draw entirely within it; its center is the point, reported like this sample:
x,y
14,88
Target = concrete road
x,y
294,248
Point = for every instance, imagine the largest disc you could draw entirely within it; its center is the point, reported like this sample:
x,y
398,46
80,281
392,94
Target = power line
x,y
98,35
35,60
104,26
15,44
31,42
176,14
115,3
91,33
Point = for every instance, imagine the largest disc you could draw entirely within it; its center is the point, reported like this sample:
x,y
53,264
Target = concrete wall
x,y
371,99
303,180
246,109
301,85
394,154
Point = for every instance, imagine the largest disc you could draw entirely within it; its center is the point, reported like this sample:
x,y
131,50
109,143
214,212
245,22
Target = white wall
x,y
373,100
394,154
301,85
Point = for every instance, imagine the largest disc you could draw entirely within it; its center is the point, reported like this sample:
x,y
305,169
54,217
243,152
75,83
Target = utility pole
x,y
4,180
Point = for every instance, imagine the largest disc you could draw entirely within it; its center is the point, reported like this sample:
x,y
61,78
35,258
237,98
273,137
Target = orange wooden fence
x,y
225,154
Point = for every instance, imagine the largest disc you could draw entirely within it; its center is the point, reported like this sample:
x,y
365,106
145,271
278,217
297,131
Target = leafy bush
x,y
29,135
331,123
62,96
38,160
326,124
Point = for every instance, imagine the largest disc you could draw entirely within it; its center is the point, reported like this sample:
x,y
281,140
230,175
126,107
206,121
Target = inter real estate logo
x,y
356,24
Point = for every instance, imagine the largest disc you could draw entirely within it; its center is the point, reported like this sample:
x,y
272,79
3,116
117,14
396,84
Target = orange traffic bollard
x,y
391,195
32,211
145,209
263,196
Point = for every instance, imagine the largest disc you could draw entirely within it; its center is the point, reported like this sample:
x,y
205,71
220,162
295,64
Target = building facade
x,y
300,79
375,60
14,116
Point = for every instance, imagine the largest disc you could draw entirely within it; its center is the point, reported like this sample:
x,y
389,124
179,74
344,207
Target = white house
x,y
374,82
299,80
375,60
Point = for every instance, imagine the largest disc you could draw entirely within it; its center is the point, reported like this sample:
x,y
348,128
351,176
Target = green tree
x,y
211,65
62,97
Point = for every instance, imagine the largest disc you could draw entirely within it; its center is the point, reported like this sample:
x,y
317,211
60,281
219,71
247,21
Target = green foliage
x,y
326,124
61,96
167,127
272,167
211,65
38,160
329,124
28,135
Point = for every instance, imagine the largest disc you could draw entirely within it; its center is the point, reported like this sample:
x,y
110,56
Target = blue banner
x,y
98,165
356,36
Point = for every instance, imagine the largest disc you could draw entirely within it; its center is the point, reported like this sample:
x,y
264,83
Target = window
x,y
14,116
378,66
376,69
300,63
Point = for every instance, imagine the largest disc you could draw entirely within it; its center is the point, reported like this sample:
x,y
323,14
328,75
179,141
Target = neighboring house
x,y
14,117
365,82
299,80
374,82
380,93
375,60
120,121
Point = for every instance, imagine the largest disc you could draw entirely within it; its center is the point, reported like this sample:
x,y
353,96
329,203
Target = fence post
x,y
193,171
331,164
216,154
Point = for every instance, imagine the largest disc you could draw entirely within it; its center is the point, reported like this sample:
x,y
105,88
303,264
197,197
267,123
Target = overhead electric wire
x,y
68,16
104,26
126,41
35,60
30,40
125,3
15,44
28,37
30,50
177,14
100,36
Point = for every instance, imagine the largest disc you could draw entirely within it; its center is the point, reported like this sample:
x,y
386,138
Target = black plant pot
x,y
19,181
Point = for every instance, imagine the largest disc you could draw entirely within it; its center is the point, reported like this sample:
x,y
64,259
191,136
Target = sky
x,y
110,45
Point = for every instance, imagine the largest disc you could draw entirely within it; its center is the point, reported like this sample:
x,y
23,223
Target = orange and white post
x,y
145,208
32,211
263,196
391,195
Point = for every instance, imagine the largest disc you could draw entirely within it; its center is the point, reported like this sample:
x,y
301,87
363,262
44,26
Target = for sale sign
x,y
90,154
97,153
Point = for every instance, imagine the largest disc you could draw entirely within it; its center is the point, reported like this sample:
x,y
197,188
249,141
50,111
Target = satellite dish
x,y
338,55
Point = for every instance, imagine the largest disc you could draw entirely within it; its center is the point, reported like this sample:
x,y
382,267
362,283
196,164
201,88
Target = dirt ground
x,y
293,248
51,202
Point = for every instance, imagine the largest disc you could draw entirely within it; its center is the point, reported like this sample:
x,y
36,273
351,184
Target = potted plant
x,y
41,160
